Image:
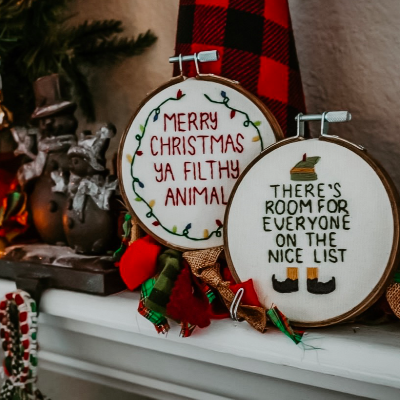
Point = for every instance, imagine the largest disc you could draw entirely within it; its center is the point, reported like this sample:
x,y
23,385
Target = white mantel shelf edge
x,y
102,337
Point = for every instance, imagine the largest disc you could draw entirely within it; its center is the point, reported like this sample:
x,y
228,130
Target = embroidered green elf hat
x,y
304,170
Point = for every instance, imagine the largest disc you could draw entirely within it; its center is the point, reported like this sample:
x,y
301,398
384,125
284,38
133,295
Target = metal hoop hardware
x,y
203,56
235,304
325,118
180,64
196,64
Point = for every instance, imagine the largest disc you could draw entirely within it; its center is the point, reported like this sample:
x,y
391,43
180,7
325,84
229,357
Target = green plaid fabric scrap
x,y
159,321
186,329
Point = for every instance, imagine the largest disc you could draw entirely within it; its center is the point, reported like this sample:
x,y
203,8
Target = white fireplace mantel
x,y
105,341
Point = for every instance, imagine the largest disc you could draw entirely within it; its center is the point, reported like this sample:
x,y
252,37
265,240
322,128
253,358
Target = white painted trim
x,y
121,380
104,340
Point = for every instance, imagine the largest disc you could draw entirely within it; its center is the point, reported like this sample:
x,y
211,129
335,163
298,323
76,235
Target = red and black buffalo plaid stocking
x,y
256,46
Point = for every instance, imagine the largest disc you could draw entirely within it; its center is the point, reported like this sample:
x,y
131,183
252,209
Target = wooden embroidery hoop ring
x,y
394,199
276,129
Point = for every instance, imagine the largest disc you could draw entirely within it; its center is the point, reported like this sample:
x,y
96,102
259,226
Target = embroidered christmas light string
x,y
233,111
138,184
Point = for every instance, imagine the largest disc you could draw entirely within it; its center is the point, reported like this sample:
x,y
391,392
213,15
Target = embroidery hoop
x,y
389,188
232,85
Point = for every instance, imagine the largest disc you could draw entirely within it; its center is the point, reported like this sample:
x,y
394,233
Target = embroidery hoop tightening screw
x,y
203,56
325,118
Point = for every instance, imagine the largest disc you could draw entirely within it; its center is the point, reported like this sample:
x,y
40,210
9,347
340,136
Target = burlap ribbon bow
x,y
393,297
203,264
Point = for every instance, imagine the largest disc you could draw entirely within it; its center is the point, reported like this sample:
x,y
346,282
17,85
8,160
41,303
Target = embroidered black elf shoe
x,y
286,286
316,287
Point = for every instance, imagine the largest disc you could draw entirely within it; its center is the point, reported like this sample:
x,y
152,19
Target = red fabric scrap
x,y
187,304
250,297
218,310
227,275
139,262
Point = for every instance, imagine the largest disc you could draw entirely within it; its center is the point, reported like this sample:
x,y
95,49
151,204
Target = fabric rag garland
x,y
188,288
203,264
172,293
190,300
256,46
158,320
18,318
139,262
170,262
283,324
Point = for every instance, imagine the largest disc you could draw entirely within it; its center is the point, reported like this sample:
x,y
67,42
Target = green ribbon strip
x,y
283,324
126,226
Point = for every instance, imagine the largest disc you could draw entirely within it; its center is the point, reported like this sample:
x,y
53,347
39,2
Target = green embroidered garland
x,y
137,182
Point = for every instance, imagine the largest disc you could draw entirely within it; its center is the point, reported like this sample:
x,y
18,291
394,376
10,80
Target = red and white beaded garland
x,y
18,332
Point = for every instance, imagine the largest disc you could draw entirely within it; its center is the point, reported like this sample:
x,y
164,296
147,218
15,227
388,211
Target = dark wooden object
x,y
100,282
